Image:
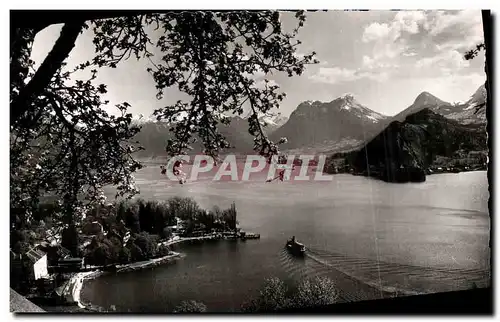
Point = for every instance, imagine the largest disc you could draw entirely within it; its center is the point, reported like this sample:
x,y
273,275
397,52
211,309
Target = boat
x,y
295,248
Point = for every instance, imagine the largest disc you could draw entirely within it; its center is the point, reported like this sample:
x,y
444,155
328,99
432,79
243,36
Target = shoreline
x,y
73,295
184,239
73,287
71,290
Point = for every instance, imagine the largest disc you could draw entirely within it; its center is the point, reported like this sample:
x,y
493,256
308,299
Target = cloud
x,y
446,29
376,31
367,61
393,39
370,63
459,30
403,22
452,20
448,61
421,43
409,21
335,75
451,87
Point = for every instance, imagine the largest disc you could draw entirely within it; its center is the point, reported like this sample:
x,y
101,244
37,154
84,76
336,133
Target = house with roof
x,y
54,236
38,263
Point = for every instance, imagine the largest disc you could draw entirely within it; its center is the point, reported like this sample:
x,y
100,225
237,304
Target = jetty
x,y
213,236
252,236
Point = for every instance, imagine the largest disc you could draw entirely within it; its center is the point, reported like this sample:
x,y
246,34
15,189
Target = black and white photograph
x,y
251,161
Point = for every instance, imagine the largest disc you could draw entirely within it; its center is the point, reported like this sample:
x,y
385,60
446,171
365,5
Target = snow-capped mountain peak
x,y
348,102
347,96
274,120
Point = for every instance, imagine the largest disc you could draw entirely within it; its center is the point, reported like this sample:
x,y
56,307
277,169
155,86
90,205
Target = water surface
x,y
369,236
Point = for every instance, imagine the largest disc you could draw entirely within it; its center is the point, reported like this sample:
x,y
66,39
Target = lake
x,y
369,236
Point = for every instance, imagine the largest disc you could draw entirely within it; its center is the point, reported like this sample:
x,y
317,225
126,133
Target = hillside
x,y
316,123
315,127
464,113
154,135
404,151
467,113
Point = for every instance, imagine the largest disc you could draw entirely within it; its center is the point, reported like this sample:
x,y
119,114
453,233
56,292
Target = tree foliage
x,y
317,291
106,250
214,64
146,222
64,143
190,307
471,54
274,295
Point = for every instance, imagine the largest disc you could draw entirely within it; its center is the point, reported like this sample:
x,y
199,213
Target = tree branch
x,y
49,67
51,17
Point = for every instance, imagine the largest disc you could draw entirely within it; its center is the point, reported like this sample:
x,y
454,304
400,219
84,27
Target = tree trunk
x,y
51,17
49,67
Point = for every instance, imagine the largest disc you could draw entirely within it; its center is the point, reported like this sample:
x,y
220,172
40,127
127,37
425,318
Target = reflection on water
x,y
372,238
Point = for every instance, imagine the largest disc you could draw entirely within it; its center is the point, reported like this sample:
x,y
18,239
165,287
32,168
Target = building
x,y
38,263
70,264
54,237
54,252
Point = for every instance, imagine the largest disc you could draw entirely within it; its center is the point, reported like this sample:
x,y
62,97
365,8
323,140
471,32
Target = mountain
x,y
318,123
272,123
468,113
403,150
236,133
315,126
423,101
154,136
464,113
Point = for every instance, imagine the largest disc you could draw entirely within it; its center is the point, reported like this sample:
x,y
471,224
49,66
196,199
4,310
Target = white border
x,y
186,4
256,4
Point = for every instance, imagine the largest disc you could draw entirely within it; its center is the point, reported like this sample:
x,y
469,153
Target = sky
x,y
384,58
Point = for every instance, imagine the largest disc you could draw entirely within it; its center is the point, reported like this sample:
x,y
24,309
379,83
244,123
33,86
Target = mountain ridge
x,y
464,113
404,151
315,122
325,126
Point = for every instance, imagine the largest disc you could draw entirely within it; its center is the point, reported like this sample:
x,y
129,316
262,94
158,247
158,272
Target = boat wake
x,y
363,278
293,266
400,278
310,266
